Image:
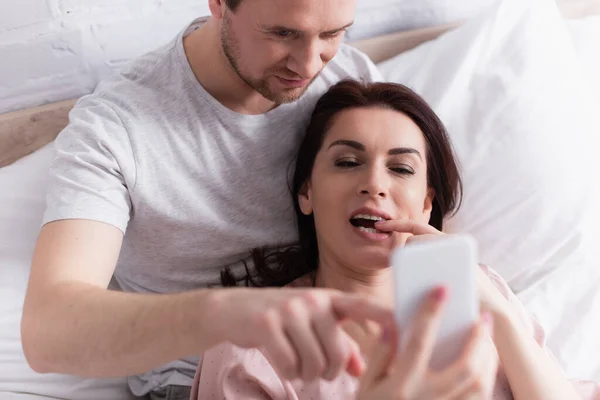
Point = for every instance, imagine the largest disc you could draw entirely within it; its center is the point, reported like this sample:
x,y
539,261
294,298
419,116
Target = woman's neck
x,y
375,283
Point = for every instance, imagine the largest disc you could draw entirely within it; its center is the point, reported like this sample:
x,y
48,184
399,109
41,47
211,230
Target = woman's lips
x,y
371,234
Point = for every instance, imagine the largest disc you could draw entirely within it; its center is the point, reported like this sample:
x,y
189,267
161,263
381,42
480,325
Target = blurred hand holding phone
x,y
449,261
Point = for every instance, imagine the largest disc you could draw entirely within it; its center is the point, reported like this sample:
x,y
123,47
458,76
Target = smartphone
x,y
420,267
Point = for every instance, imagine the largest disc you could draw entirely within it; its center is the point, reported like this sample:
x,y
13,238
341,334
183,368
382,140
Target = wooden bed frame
x,y
23,132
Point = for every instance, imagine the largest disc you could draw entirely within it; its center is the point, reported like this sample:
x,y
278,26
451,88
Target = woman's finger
x,y
379,361
422,238
465,375
360,308
279,350
489,373
490,360
484,373
334,342
415,353
356,364
361,342
406,226
299,328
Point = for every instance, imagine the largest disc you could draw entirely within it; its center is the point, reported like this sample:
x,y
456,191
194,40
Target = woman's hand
x,y
405,374
490,299
299,330
531,373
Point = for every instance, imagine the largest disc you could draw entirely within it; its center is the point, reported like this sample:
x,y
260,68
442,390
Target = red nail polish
x,y
440,293
386,336
487,318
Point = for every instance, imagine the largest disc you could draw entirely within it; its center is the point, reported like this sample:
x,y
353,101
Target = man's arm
x,y
73,324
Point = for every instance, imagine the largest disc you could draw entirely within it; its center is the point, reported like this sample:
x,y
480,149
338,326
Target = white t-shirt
x,y
194,185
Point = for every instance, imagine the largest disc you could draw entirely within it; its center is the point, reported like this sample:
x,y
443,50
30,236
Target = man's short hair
x,y
232,4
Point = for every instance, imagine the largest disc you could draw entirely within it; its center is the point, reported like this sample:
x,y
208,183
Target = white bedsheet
x,y
586,37
563,290
21,207
571,295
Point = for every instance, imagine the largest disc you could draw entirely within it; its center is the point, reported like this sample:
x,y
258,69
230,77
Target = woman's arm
x,y
531,372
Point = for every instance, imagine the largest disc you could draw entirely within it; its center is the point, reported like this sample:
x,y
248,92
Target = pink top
x,y
228,372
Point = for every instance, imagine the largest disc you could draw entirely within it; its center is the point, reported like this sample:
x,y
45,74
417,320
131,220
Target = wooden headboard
x,y
23,132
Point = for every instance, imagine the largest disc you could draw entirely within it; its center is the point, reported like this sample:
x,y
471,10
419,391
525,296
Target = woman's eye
x,y
346,163
403,170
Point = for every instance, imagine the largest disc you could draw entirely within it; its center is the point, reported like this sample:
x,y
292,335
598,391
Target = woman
x,y
376,170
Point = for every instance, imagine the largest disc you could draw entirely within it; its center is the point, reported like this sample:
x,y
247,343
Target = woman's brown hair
x,y
281,267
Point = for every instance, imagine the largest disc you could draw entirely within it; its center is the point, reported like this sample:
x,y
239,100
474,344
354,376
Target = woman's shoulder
x,y
527,320
497,281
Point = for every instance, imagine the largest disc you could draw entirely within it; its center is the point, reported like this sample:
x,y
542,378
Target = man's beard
x,y
230,47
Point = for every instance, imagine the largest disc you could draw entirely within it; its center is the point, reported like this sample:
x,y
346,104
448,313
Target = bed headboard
x,y
23,132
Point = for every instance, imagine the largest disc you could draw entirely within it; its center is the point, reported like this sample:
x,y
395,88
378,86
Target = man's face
x,y
278,47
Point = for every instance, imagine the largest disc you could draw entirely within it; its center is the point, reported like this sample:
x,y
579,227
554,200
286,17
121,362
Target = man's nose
x,y
307,61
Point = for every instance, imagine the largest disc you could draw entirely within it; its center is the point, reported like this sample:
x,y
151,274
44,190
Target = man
x,y
173,170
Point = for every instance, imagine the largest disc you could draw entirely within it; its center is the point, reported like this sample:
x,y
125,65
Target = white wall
x,y
54,50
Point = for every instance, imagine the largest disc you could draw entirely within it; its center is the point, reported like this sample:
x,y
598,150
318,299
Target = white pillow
x,y
378,17
22,203
586,36
509,87
568,301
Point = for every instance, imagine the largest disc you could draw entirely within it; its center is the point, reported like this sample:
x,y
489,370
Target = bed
x,y
505,105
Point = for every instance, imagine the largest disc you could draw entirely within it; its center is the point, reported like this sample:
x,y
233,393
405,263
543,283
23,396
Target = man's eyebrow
x,y
340,29
292,30
277,28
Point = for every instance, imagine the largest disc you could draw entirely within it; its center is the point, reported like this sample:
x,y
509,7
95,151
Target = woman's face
x,y
372,165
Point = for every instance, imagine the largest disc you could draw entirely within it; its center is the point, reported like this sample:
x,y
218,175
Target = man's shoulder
x,y
141,81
